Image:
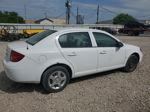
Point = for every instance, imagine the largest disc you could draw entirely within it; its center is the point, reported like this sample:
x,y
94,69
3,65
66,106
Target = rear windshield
x,y
38,37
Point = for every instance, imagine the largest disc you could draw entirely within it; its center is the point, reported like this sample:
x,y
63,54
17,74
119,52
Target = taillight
x,y
15,56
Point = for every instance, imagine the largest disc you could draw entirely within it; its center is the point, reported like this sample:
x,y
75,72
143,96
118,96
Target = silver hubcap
x,y
57,80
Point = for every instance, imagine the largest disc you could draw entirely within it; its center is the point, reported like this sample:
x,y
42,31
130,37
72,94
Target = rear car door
x,y
77,49
109,55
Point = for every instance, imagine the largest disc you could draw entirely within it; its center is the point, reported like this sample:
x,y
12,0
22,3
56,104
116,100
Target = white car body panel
x,y
83,60
48,52
110,57
80,57
130,49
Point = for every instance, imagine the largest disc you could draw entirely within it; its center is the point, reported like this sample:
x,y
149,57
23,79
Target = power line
x,y
60,15
113,12
72,14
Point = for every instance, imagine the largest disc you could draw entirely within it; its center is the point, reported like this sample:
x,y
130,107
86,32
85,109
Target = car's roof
x,y
77,29
68,30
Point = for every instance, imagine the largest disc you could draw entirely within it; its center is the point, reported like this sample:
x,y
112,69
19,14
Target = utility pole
x,y
77,20
97,14
45,15
68,9
25,12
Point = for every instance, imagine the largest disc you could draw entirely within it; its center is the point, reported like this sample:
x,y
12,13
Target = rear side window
x,y
38,37
75,40
104,40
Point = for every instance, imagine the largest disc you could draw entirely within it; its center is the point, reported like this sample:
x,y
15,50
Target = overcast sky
x,y
36,9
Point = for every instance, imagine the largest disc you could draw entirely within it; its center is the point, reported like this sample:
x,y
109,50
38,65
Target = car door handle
x,y
103,52
72,54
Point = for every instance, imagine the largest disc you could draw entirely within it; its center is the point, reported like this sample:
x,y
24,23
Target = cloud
x,y
136,4
137,8
106,12
35,8
141,6
56,8
77,4
111,8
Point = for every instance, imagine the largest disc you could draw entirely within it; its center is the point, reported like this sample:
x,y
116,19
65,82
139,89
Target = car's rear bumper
x,y
20,73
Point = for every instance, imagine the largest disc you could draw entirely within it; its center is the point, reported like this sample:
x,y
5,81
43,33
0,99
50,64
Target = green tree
x,y
10,17
123,19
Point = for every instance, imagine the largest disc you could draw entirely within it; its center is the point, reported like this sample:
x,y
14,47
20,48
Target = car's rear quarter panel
x,y
46,54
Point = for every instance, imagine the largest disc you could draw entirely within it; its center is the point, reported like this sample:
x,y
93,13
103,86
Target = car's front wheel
x,y
55,79
131,63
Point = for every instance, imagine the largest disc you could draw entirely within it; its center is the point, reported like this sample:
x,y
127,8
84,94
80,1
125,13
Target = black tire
x,y
50,78
10,39
130,33
137,34
131,64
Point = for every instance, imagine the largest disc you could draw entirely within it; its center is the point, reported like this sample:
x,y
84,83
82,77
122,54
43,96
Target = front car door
x,y
109,55
77,49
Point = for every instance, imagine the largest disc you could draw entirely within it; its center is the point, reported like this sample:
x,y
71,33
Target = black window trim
x,y
32,44
76,47
106,35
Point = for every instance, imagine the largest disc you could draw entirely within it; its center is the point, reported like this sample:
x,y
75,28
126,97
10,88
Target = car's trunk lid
x,y
18,46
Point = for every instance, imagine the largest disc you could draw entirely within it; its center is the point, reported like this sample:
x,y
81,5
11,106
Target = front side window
x,y
75,40
104,40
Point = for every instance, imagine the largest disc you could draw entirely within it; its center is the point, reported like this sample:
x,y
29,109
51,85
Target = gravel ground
x,y
112,91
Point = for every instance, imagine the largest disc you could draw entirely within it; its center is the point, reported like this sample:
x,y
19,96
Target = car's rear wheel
x,y
55,79
130,33
131,64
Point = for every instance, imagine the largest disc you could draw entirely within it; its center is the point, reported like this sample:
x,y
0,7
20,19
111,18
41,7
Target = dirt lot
x,y
104,92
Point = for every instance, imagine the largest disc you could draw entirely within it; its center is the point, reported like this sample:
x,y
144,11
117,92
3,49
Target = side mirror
x,y
119,44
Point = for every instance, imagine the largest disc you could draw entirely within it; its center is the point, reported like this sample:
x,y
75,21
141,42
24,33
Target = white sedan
x,y
52,57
